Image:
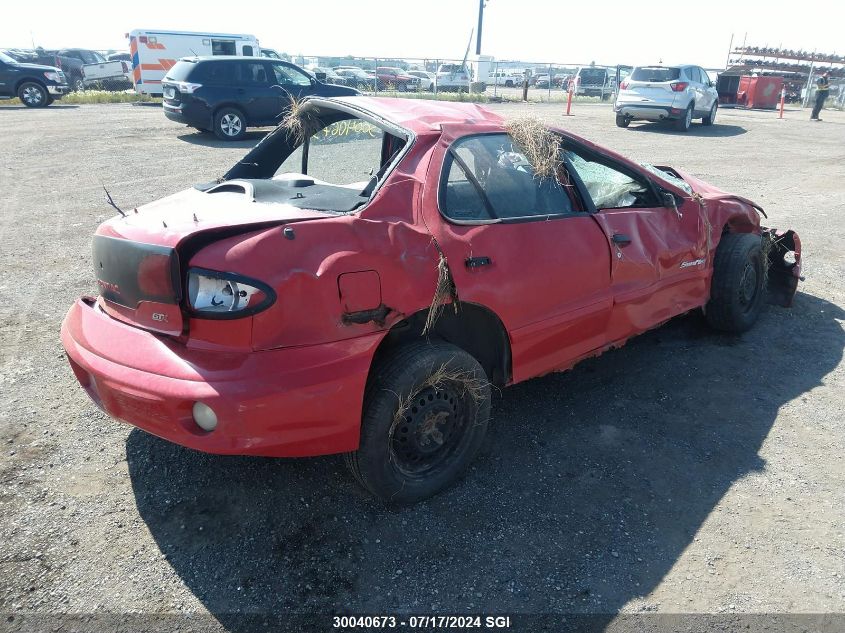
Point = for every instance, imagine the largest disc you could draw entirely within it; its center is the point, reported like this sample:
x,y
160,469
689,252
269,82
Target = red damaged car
x,y
358,282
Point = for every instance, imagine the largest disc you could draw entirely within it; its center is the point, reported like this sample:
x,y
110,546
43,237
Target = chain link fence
x,y
470,80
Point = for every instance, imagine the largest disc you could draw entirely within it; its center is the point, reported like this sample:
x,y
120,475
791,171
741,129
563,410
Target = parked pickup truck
x,y
35,85
84,67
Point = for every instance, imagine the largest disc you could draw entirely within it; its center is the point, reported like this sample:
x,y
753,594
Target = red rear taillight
x,y
624,85
58,62
679,86
125,67
217,295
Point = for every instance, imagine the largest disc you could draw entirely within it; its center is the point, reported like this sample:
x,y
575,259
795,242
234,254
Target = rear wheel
x,y
425,416
685,121
622,120
229,124
710,118
32,94
737,288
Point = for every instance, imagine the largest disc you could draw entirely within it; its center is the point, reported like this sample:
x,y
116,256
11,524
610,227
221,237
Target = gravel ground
x,y
688,472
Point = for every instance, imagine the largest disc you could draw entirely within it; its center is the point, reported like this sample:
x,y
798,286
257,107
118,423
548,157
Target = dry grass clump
x,y
444,290
466,382
540,146
299,120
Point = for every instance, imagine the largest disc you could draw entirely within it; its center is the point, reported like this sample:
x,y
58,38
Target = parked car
x,y
426,79
508,78
543,81
452,77
594,81
35,85
228,94
270,52
391,78
363,296
660,93
357,77
329,76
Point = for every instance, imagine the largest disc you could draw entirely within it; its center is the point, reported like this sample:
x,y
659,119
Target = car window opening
x,y
336,168
489,179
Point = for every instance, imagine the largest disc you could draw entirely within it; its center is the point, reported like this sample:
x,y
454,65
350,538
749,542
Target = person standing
x,y
822,89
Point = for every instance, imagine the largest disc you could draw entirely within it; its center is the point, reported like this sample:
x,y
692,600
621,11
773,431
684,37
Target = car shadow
x,y
207,139
592,484
696,129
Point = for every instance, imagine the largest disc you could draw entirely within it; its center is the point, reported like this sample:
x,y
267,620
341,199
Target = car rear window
x,y
182,71
593,76
655,73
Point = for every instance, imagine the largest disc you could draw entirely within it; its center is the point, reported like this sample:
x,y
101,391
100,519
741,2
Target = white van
x,y
155,52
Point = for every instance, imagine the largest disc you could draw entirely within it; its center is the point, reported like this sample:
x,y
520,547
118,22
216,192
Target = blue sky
x,y
604,31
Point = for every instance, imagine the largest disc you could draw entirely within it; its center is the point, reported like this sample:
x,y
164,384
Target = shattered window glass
x,y
489,178
609,188
670,178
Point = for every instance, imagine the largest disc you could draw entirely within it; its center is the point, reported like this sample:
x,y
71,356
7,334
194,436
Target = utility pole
x,y
480,22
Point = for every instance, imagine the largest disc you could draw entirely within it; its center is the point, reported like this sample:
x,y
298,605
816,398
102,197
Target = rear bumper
x,y
281,403
651,112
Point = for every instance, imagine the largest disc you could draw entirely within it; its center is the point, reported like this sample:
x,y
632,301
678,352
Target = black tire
x,y
508,84
710,118
622,120
683,124
736,290
402,459
76,83
229,124
50,99
32,94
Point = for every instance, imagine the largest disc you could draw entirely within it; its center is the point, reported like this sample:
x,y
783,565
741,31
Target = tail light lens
x,y
679,86
624,85
216,295
187,88
125,67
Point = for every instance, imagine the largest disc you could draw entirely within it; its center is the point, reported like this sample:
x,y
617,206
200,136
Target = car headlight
x,y
53,76
216,295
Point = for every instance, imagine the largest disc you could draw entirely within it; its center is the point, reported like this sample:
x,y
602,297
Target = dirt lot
x,y
686,472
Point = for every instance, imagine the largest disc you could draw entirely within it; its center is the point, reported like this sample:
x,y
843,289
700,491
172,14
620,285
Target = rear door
x,y
659,254
520,246
260,101
651,85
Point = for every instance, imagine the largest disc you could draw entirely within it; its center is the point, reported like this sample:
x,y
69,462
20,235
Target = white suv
x,y
657,93
452,77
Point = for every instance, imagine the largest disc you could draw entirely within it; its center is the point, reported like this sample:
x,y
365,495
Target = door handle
x,y
477,262
620,239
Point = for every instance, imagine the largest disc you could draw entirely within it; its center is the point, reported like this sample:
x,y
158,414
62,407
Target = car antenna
x,y
194,52
112,204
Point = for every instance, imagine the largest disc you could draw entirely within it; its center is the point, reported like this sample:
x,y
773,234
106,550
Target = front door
x,y
518,245
292,83
659,266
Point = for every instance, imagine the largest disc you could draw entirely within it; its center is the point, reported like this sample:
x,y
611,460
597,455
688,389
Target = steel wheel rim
x,y
32,95
424,440
748,286
231,124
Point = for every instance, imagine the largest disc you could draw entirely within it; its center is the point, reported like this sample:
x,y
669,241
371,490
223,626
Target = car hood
x,y
171,220
40,67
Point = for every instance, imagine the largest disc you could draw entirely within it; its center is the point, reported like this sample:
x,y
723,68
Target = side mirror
x,y
668,200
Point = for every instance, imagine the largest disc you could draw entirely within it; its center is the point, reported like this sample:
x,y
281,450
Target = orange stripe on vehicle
x,y
136,72
152,67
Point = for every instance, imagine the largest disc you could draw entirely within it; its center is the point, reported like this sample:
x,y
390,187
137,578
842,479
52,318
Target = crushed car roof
x,y
422,115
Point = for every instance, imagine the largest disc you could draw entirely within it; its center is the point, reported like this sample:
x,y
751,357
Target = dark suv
x,y
35,85
227,95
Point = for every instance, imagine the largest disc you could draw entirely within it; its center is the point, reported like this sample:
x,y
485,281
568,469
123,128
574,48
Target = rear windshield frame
x,y
656,74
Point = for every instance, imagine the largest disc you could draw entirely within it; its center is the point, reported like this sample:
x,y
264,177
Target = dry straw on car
x,y
540,146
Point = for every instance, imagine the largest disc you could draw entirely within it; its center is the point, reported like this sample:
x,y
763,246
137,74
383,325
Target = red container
x,y
759,92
